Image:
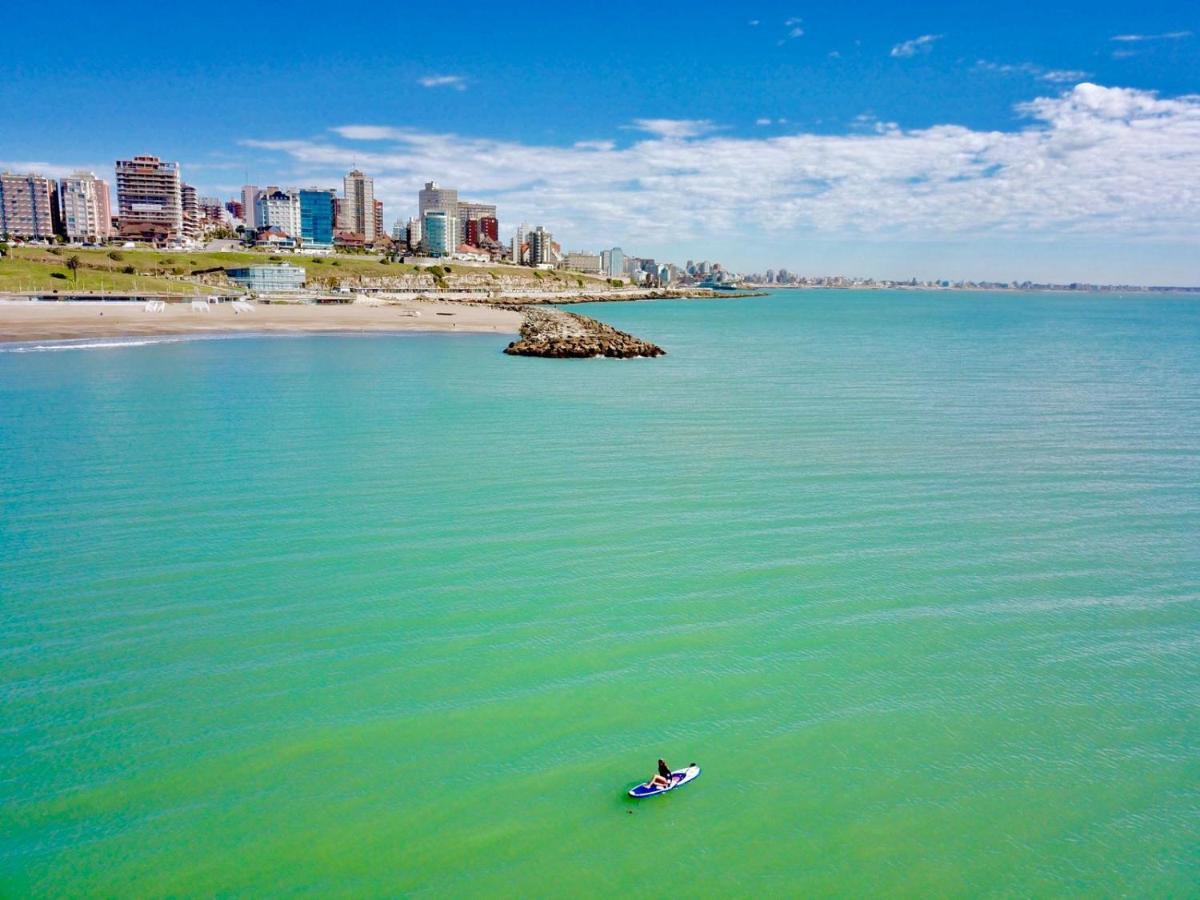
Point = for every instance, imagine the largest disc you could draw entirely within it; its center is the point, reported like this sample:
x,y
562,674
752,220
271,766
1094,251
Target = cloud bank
x,y
1110,162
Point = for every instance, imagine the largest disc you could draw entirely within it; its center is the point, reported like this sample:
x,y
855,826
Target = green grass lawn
x,y
28,269
45,269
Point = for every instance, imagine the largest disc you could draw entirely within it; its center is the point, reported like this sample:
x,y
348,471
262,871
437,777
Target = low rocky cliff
x,y
563,335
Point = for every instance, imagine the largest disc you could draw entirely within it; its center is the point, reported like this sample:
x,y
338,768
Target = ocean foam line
x,y
89,345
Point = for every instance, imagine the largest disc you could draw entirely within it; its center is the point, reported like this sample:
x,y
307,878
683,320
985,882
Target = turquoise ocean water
x,y
915,578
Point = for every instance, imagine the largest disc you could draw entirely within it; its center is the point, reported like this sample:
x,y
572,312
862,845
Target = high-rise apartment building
x,y
86,209
359,209
415,230
518,243
189,201
280,209
541,250
149,195
489,228
380,231
317,216
439,233
433,198
212,212
28,206
613,262
249,198
468,212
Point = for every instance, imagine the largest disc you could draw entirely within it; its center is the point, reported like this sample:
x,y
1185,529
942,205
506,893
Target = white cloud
x,y
54,170
1137,38
1054,76
1064,76
370,133
753,23
763,121
1091,163
793,30
451,81
922,44
673,129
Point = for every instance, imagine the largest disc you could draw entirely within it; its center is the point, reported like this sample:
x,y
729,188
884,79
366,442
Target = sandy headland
x,y
57,321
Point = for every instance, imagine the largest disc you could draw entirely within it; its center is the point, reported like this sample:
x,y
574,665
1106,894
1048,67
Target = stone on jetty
x,y
563,335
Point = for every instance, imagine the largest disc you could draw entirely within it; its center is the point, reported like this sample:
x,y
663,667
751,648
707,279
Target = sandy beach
x,y
54,320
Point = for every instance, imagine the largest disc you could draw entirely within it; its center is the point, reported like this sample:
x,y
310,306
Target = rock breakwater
x,y
561,335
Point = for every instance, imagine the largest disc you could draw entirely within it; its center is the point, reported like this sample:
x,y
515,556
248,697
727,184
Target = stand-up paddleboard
x,y
679,778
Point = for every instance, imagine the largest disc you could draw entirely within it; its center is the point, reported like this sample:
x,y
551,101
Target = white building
x,y
518,243
85,207
276,208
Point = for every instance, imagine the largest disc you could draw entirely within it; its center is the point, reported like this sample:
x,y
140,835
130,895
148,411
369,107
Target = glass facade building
x,y
437,234
316,217
268,279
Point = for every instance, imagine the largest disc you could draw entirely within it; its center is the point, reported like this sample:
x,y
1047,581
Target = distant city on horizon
x,y
156,207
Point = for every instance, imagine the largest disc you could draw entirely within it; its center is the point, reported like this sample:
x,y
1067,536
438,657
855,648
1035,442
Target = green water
x,y
914,578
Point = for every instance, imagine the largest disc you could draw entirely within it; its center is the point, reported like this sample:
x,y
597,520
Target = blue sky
x,y
935,140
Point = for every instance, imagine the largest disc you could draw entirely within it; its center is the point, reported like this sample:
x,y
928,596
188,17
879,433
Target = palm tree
x,y
73,263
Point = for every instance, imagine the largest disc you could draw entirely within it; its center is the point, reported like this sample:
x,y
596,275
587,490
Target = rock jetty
x,y
562,335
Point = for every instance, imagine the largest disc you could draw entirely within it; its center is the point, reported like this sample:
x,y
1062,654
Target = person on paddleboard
x,y
663,778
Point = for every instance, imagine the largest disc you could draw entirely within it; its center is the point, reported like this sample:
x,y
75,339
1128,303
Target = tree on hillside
x,y
73,264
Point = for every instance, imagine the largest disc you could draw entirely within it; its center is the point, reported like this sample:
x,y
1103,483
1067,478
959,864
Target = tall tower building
x,y
614,262
85,207
189,200
437,199
359,209
249,197
316,217
28,206
380,231
148,194
540,251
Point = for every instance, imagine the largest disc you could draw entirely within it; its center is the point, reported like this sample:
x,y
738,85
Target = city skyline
x,y
895,144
